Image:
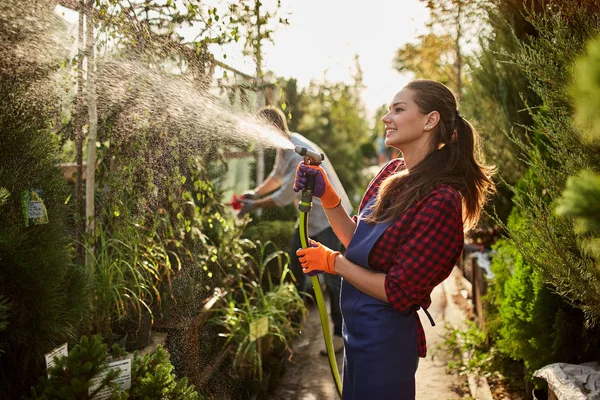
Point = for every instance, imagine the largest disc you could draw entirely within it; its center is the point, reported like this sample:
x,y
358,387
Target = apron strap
x,y
417,307
429,316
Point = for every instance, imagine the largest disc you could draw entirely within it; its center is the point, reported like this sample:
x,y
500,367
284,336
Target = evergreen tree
x,y
46,292
581,198
554,151
458,20
499,94
545,293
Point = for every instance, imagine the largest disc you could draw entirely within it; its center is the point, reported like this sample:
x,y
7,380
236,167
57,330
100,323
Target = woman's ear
x,y
433,118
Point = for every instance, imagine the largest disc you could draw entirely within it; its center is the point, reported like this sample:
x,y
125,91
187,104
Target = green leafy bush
x,y
278,232
129,268
255,296
470,351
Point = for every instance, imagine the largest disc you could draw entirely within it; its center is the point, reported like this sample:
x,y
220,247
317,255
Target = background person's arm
x,y
275,178
270,184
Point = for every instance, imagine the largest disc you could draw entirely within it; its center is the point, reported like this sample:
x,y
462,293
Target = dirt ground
x,y
308,377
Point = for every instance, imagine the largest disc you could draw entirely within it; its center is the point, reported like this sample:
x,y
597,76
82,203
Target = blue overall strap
x,y
381,343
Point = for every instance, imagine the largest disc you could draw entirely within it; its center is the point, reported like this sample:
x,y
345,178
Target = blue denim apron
x,y
381,343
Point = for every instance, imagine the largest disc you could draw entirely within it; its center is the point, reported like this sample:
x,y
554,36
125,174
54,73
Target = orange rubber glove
x,y
323,188
317,258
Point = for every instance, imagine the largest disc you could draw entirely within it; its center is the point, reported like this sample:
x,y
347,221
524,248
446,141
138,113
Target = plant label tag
x,y
259,328
123,380
55,354
35,209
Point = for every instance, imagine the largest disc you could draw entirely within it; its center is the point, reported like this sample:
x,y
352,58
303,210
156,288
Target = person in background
x,y
406,239
382,151
278,191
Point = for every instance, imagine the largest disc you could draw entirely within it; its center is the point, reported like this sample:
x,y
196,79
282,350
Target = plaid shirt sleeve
x,y
433,241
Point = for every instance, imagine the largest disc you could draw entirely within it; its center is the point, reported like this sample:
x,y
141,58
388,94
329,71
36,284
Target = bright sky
x,y
324,35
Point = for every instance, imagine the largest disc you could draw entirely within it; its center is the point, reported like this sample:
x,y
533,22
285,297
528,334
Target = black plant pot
x,y
118,337
276,371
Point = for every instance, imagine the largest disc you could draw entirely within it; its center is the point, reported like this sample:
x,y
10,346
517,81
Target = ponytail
x,y
478,184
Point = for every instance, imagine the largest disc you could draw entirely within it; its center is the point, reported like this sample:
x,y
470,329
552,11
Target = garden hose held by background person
x,y
314,158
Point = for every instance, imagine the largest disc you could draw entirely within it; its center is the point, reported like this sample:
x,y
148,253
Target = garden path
x,y
307,376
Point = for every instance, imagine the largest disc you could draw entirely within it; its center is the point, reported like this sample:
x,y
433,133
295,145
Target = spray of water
x,y
142,96
148,96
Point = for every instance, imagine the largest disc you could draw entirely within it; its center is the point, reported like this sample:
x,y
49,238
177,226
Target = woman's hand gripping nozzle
x,y
310,158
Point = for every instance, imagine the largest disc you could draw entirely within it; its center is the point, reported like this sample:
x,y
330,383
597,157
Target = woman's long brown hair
x,y
455,162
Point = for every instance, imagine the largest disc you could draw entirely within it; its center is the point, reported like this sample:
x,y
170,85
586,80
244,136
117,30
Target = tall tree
x,y
258,25
90,182
554,151
430,58
458,19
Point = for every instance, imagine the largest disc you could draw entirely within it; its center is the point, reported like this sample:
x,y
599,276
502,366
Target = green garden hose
x,y
305,207
322,310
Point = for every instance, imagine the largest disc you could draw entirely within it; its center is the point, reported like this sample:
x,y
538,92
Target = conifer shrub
x,y
153,377
554,151
528,321
46,292
75,376
581,198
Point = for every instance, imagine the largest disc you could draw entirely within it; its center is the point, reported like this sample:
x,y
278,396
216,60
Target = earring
x,y
427,128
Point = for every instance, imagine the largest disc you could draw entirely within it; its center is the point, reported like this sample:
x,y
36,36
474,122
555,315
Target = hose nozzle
x,y
310,157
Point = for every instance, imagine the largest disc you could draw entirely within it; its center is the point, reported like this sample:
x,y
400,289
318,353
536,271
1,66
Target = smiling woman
x,y
406,239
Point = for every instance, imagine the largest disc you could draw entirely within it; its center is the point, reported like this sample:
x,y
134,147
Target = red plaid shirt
x,y
419,250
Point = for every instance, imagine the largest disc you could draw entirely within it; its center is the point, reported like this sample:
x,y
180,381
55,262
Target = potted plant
x,y
129,267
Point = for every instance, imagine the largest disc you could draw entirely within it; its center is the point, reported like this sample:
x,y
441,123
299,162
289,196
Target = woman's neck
x,y
412,158
416,152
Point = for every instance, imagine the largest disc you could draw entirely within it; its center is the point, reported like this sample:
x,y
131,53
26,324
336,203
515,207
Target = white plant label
x,y
123,380
36,209
55,354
